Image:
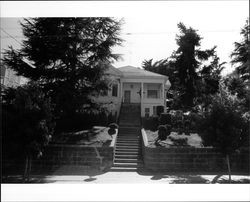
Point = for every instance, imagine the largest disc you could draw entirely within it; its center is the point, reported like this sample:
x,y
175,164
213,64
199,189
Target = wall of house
x,y
151,103
134,88
110,102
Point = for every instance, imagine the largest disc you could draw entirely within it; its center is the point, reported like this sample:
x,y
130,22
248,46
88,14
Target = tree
x,y
27,124
190,78
209,80
68,57
241,54
223,126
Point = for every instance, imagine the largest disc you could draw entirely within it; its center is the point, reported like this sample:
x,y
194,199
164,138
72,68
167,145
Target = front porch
x,y
148,95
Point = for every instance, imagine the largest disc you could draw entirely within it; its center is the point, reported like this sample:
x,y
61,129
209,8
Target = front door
x,y
127,96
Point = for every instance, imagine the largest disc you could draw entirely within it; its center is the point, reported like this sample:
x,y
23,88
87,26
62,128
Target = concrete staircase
x,y
127,154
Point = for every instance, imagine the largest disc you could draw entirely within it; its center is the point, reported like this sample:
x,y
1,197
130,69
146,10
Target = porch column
x,y
121,93
142,97
141,91
163,97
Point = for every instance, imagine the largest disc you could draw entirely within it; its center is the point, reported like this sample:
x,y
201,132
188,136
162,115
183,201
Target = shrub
x,y
150,123
187,127
179,127
162,132
112,127
83,120
176,116
159,110
179,141
165,118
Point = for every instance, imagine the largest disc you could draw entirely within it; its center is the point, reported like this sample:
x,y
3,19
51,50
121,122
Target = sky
x,y
149,29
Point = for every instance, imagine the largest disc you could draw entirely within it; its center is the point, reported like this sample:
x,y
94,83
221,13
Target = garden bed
x,y
193,140
98,136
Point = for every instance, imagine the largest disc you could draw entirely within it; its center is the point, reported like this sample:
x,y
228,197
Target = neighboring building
x,y
9,78
131,85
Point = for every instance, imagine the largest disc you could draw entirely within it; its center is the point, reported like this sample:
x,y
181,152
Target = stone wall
x,y
188,159
56,156
77,155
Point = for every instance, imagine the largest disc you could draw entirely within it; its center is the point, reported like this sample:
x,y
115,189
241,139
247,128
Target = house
x,y
131,85
9,78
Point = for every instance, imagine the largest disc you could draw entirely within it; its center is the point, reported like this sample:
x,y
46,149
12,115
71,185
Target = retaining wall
x,y
191,159
90,157
56,156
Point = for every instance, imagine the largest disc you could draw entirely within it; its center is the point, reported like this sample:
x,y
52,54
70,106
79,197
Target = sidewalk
x,y
65,175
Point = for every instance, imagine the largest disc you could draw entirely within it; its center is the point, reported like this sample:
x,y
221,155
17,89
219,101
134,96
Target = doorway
x,y
127,95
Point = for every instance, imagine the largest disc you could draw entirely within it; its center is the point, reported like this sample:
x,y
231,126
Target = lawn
x,y
192,140
97,136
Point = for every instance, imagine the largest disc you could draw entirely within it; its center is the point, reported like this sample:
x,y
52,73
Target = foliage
x,y
67,57
223,125
161,67
27,121
165,118
83,120
112,127
179,141
241,54
163,132
150,123
191,80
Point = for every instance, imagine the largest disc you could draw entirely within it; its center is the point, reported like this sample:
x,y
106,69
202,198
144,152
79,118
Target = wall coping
x,y
144,137
86,146
114,138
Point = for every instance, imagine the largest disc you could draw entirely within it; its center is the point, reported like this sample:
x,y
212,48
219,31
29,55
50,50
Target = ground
x,y
193,140
97,136
64,175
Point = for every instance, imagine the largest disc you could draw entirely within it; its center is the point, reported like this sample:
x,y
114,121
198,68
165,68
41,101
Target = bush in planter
x,y
150,123
187,127
179,127
159,110
112,128
179,141
165,118
163,132
176,115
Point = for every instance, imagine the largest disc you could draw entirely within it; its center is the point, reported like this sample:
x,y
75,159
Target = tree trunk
x,y
229,168
29,168
26,164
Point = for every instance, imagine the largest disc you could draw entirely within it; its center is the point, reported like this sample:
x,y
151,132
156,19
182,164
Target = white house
x,y
131,85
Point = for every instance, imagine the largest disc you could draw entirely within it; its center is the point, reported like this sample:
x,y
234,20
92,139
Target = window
x,y
114,90
152,94
147,111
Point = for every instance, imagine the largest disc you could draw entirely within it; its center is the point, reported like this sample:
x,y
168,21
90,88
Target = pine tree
x,y
68,57
189,61
241,54
189,76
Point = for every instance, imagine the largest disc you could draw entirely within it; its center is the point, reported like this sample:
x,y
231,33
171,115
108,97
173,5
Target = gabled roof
x,y
130,71
114,71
